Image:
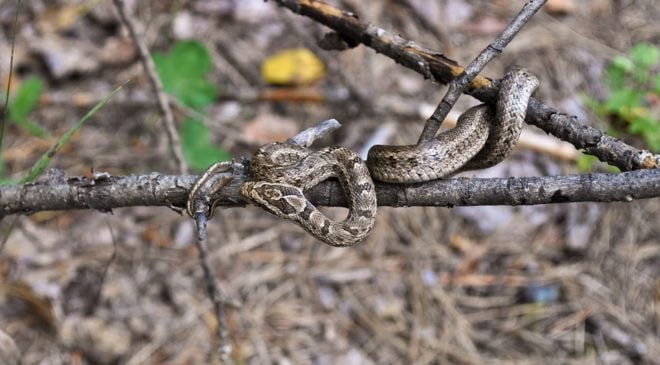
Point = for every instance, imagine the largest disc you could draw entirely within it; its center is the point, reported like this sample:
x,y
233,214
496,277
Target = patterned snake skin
x,y
480,139
281,172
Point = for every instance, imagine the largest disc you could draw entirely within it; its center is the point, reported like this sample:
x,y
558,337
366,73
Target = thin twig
x,y
212,288
156,85
9,230
494,49
306,137
434,66
215,295
96,299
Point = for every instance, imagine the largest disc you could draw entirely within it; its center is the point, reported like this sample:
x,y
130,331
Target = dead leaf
x,y
104,342
117,51
559,7
298,66
268,128
38,306
59,18
293,95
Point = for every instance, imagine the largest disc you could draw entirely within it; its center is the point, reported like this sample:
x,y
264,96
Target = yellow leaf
x,y
298,66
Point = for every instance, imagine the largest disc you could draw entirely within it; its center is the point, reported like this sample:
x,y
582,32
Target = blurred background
x,y
553,284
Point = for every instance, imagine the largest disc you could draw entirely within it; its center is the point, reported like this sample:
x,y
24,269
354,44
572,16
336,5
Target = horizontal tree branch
x,y
433,65
104,192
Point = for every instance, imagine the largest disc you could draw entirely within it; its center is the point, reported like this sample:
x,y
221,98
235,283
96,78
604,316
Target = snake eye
x,y
272,194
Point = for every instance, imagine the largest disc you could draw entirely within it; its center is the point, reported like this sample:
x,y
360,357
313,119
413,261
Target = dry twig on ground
x,y
173,139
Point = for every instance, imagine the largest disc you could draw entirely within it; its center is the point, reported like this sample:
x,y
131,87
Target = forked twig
x,y
217,298
198,207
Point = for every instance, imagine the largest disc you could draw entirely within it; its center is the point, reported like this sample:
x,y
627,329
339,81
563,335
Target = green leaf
x,y
2,167
23,102
585,163
593,104
642,125
622,100
653,141
615,76
25,98
613,132
656,84
623,63
631,81
644,55
31,127
45,159
649,129
198,150
613,169
588,163
183,72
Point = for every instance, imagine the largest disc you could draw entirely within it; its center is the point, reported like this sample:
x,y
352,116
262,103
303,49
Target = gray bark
x,y
104,192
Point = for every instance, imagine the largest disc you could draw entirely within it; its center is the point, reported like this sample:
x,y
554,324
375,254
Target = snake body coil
x,y
281,172
482,138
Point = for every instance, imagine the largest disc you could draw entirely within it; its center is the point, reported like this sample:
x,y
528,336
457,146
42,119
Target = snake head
x,y
282,200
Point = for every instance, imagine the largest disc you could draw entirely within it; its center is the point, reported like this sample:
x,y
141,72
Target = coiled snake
x,y
281,172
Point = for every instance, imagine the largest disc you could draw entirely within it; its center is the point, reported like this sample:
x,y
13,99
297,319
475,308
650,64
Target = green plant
x,y
183,72
586,163
633,84
22,103
43,162
47,157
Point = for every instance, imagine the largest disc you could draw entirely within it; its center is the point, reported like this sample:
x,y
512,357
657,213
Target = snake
x,y
280,173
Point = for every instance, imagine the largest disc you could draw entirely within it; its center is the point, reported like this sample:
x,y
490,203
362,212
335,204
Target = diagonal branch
x,y
458,85
433,65
104,192
156,85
